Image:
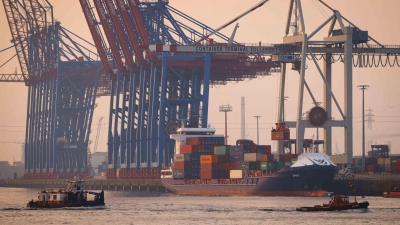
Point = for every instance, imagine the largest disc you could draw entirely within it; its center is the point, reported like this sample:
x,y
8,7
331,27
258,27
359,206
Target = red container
x,y
267,149
253,148
209,174
209,167
200,148
188,149
195,141
280,135
370,168
185,165
285,158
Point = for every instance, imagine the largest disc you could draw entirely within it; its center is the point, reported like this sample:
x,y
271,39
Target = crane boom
x,y
109,34
258,5
131,33
144,36
91,21
18,27
37,20
120,33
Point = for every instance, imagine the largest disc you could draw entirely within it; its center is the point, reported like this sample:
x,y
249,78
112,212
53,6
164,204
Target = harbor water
x,y
166,208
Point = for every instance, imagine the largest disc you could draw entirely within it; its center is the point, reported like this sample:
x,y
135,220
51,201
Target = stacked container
x,y
197,161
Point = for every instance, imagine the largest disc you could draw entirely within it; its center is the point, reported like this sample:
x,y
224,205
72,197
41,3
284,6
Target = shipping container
x,y
213,174
181,174
264,165
254,165
208,159
223,158
357,161
279,165
388,168
243,166
236,149
195,141
236,174
252,157
181,157
236,156
209,166
222,150
280,135
188,149
184,165
285,158
370,161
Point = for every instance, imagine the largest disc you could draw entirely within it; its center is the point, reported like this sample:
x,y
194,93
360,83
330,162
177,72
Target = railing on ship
x,y
368,176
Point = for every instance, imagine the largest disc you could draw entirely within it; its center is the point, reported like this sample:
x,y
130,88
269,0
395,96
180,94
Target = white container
x,y
236,174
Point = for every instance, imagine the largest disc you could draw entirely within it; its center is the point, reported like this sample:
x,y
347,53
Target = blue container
x,y
236,157
180,174
236,148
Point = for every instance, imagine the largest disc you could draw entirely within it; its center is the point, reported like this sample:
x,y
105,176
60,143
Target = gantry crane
x,y
351,44
158,90
62,83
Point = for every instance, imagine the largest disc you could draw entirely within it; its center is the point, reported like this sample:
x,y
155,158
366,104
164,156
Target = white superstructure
x,y
185,132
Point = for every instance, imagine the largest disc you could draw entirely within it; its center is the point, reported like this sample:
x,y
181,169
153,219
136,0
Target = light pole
x,y
283,108
363,87
226,109
257,127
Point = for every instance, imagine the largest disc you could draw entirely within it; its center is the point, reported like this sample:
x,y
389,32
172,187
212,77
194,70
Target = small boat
x,y
73,196
394,193
338,202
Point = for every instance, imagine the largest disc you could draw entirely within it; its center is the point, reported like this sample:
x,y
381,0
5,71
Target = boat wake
x,y
10,209
276,210
102,207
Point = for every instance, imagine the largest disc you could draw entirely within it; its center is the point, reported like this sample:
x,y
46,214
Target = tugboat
x,y
338,202
73,196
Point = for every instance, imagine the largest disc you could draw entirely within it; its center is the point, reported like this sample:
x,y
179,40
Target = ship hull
x,y
50,205
361,205
305,181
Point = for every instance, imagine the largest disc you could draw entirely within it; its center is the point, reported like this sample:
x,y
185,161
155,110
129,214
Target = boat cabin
x,y
339,200
75,185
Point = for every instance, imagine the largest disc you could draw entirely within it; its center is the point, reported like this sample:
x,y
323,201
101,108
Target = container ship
x,y
204,165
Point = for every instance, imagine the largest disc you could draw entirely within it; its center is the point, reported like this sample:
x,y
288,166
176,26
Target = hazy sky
x,y
266,24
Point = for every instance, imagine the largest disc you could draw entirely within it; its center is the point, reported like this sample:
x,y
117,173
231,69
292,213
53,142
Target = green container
x,y
222,150
264,165
358,161
381,168
393,160
356,168
279,165
270,166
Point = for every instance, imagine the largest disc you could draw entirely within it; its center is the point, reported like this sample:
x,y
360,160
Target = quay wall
x,y
367,187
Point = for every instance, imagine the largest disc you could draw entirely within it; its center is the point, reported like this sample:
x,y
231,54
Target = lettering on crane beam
x,y
237,49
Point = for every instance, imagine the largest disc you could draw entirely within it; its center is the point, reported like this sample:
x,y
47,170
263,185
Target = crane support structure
x,y
62,86
348,44
158,89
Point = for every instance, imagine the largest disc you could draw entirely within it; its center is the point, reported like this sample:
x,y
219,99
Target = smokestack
x,y
243,116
